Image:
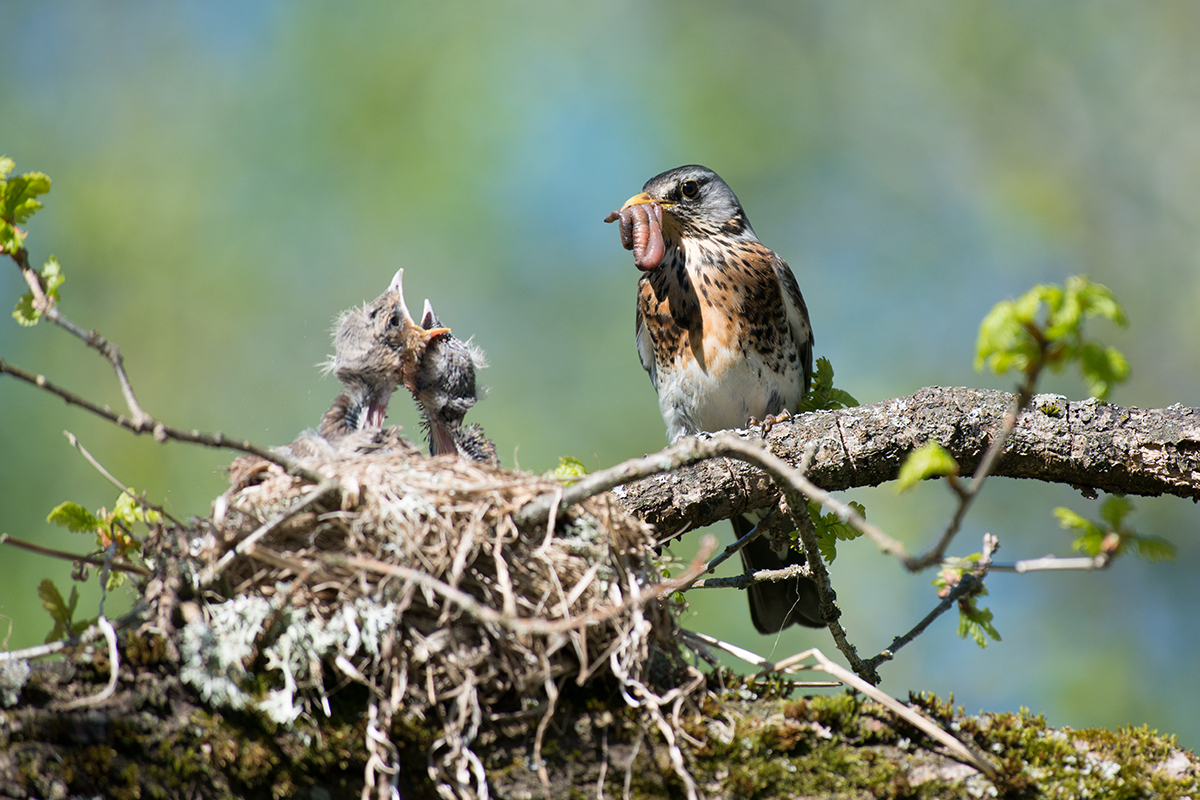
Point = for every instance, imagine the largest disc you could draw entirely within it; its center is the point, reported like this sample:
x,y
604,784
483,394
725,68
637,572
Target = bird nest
x,y
410,575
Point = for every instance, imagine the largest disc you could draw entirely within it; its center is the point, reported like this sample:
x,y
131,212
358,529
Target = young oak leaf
x,y
823,395
62,612
52,278
1112,534
568,470
830,529
74,518
930,460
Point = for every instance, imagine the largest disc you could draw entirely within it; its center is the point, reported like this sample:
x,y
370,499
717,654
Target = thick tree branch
x,y
1087,444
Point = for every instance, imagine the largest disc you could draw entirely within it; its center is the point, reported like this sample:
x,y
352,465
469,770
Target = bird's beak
x,y
637,200
411,327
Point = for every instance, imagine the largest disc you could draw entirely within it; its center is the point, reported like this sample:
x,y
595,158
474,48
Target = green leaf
x,y
52,278
569,468
25,314
6,166
822,395
927,461
129,510
1115,509
1044,327
1003,342
976,623
1102,368
19,200
74,518
62,612
830,529
1154,548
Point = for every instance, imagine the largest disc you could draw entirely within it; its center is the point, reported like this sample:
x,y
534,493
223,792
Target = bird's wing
x,y
797,315
645,345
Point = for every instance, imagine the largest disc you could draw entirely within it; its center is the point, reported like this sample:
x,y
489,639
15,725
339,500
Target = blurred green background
x,y
229,176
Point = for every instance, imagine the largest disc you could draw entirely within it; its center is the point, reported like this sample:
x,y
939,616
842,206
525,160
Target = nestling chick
x,y
445,390
377,346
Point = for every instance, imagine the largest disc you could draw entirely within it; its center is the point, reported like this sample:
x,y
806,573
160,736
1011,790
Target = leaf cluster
x,y
831,529
1044,327
569,470
62,611
973,622
113,529
823,396
18,202
1111,535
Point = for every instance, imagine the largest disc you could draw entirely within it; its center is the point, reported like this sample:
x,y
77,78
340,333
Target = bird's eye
x,y
689,189
396,318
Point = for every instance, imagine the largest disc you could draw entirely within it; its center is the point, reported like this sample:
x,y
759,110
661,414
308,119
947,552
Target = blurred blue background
x,y
229,176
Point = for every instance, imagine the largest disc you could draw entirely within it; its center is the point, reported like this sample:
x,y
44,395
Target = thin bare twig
x,y
93,560
747,579
113,480
965,587
47,306
967,495
161,431
1101,561
969,584
736,547
964,752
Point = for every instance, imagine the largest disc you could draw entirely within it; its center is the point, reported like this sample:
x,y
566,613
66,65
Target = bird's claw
x,y
768,422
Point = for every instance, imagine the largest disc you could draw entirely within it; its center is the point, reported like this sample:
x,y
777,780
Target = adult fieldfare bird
x,y
724,333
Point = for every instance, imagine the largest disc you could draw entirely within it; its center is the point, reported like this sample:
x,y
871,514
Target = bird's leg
x,y
768,422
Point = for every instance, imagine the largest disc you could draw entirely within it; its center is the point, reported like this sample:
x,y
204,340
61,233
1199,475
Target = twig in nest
x,y
523,626
246,546
114,667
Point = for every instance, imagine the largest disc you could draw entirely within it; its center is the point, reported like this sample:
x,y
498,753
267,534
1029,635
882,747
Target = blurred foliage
x,y
1111,534
568,470
930,460
62,611
974,622
228,177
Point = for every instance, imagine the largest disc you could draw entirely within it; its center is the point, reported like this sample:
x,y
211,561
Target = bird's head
x,y
377,347
695,202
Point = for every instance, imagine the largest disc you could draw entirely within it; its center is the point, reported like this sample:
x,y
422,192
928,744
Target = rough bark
x,y
1089,445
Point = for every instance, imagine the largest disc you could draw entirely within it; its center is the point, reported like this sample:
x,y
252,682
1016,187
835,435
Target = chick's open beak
x,y
412,330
